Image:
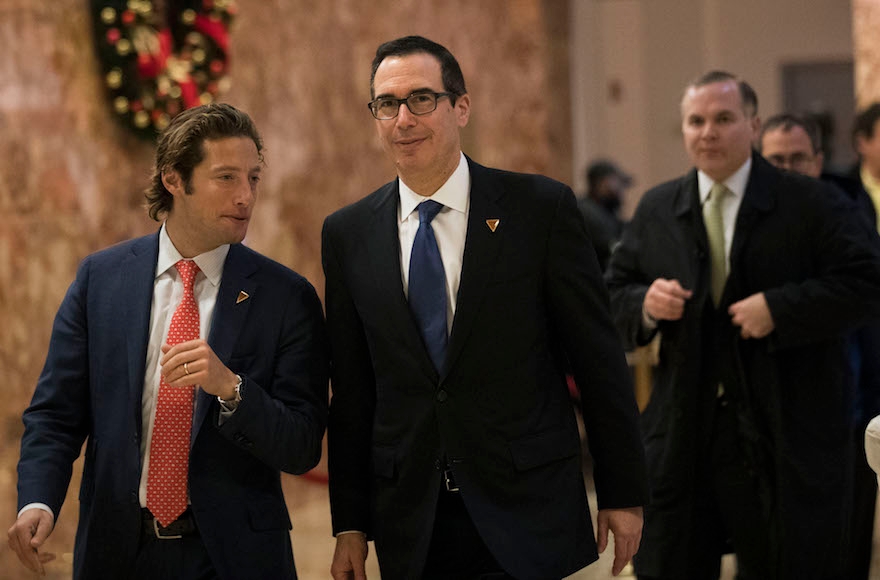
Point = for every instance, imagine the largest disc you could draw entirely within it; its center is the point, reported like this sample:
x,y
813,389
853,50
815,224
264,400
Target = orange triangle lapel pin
x,y
242,296
493,224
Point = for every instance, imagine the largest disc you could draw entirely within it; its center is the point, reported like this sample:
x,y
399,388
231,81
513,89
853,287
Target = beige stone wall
x,y
866,45
71,178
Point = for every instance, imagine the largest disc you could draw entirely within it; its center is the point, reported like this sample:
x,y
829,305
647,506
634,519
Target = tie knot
x,y
717,193
188,270
428,210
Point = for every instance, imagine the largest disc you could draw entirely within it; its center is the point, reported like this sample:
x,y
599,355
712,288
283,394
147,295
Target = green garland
x,y
159,58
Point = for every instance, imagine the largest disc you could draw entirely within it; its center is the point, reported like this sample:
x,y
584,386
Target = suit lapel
x,y
758,199
382,241
139,272
480,250
230,315
691,235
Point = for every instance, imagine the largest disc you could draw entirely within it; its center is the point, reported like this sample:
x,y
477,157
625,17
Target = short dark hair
x,y
180,147
602,168
453,80
746,92
787,122
863,125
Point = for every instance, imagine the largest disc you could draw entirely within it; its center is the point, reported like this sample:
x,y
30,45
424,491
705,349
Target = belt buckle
x,y
160,536
449,480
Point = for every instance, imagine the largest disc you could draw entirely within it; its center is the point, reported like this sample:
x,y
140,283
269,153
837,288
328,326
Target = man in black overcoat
x,y
747,432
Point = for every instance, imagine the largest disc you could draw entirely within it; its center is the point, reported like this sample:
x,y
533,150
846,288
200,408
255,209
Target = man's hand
x,y
665,299
350,557
752,315
626,526
205,369
26,536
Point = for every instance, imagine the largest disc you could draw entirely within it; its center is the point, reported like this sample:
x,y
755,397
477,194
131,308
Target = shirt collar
x,y
452,194
736,183
210,263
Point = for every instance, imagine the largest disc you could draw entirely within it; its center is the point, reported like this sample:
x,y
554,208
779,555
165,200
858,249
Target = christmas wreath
x,y
162,57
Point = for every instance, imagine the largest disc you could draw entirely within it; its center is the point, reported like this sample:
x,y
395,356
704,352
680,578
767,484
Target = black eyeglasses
x,y
794,162
385,108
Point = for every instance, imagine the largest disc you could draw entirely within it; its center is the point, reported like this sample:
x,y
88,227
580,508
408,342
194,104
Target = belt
x,y
449,481
185,525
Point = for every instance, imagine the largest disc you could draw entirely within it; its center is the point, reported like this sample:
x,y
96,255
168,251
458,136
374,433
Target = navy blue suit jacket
x,y
90,391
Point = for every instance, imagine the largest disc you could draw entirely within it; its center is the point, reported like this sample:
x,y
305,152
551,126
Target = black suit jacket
x,y
531,298
805,246
90,390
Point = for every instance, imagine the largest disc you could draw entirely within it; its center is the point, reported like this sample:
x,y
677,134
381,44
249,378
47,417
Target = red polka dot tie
x,y
169,448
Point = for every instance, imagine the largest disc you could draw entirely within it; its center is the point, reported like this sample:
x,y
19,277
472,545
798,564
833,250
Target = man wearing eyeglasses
x,y
456,297
793,143
790,143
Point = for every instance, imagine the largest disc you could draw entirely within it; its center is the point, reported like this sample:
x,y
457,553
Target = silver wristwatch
x,y
232,403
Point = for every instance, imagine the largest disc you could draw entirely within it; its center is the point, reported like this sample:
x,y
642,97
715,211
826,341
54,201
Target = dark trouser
x,y
738,499
457,552
183,558
728,515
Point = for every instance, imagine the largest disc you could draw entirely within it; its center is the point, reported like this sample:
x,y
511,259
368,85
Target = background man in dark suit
x,y
866,140
114,366
747,431
452,439
793,143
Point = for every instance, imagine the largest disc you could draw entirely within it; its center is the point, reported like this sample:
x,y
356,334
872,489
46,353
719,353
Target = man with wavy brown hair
x,y
183,340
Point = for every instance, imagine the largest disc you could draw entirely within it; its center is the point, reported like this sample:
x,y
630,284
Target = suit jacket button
x,y
442,396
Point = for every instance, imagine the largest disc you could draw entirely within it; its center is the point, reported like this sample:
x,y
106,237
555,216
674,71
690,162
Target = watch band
x,y
232,403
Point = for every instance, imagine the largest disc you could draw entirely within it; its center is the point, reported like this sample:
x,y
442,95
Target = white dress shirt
x,y
167,293
450,229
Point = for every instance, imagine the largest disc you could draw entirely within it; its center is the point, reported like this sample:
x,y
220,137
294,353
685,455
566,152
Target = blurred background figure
x,y
792,143
867,145
796,143
606,186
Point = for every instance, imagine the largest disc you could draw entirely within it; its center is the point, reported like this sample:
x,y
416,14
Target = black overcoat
x,y
803,245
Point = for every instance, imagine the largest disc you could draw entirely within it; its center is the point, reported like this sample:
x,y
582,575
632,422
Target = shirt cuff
x,y
39,506
350,532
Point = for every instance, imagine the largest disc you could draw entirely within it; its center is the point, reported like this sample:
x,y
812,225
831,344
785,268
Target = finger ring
x,y
186,370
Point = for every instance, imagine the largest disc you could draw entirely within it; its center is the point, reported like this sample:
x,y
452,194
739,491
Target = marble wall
x,y
71,177
866,46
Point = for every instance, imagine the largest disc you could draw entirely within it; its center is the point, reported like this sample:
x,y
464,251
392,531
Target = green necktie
x,y
714,222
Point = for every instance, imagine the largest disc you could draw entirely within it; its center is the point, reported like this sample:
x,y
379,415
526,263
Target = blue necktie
x,y
427,285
